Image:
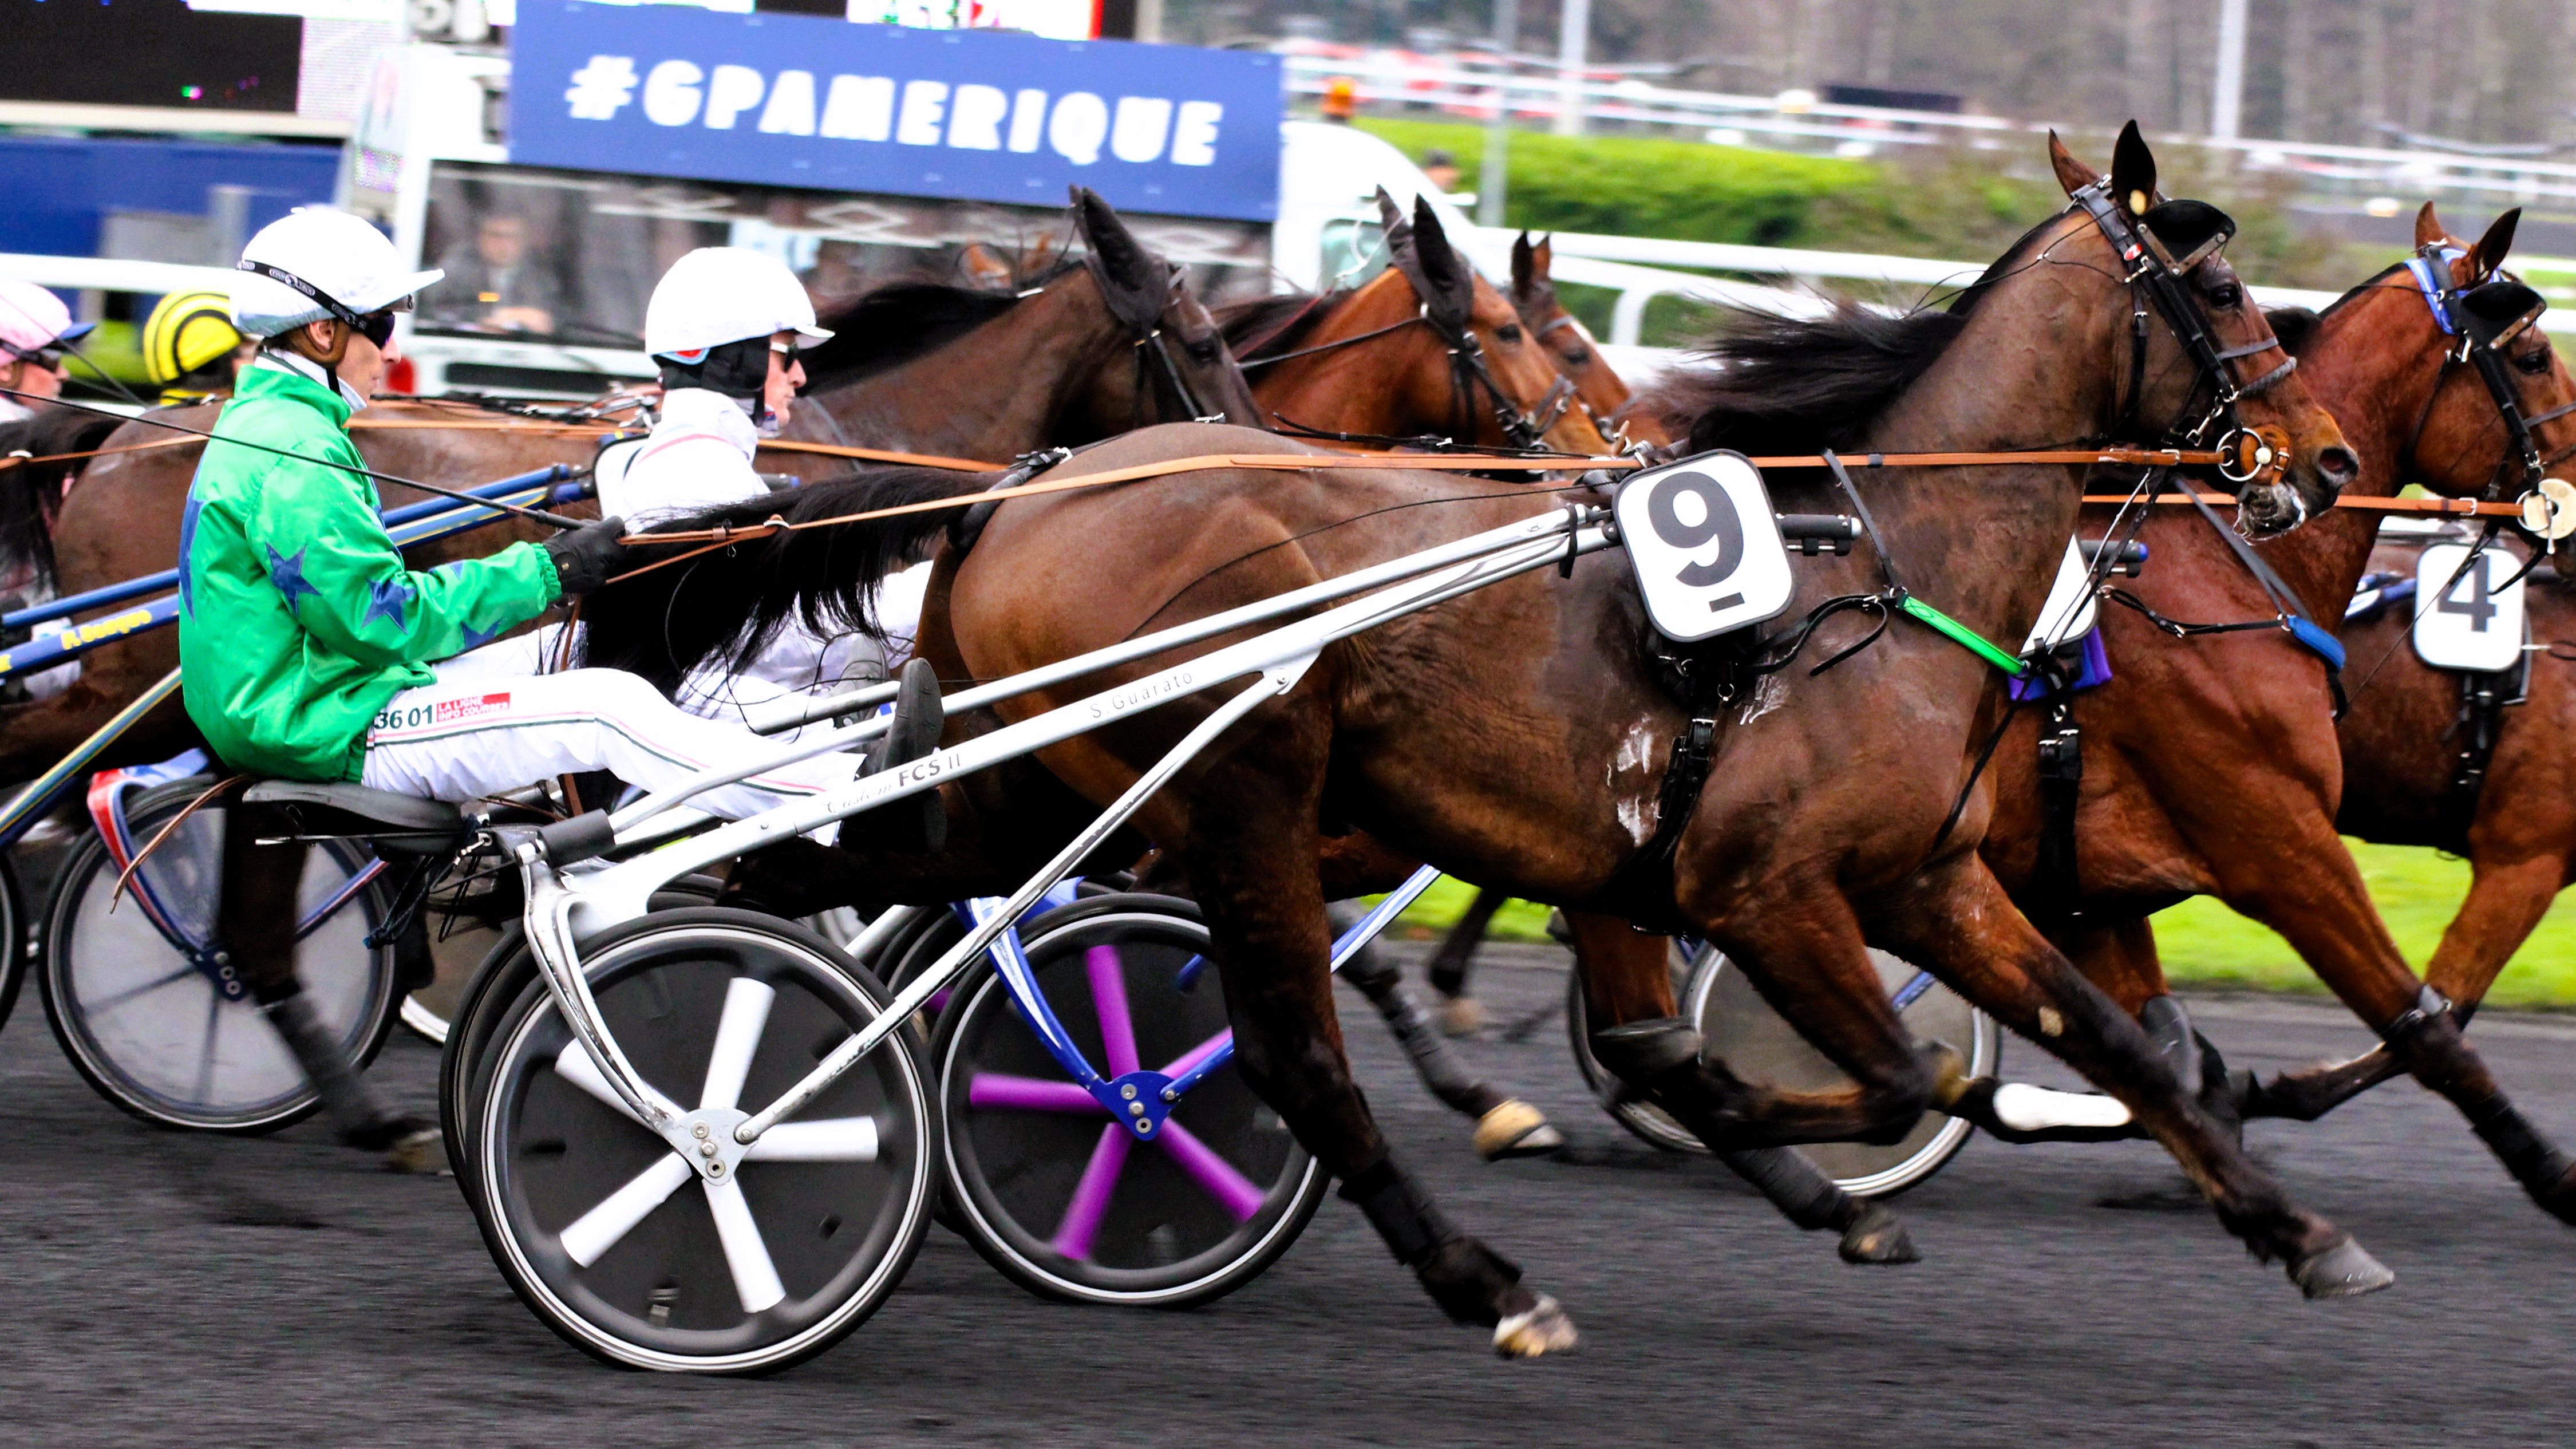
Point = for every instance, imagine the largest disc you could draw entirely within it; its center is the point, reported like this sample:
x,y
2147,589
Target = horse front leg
x,y
1625,983
1956,922
1251,843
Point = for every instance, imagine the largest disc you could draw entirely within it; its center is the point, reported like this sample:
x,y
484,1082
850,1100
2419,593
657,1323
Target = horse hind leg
x,y
2504,904
1957,923
1628,995
1505,1126
1460,1013
1251,850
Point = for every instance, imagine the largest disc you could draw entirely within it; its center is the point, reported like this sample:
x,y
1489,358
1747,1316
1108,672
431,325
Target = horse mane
x,y
1774,384
1278,323
730,603
31,493
887,326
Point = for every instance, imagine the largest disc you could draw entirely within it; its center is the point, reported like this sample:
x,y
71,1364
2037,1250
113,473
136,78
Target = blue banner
x,y
808,101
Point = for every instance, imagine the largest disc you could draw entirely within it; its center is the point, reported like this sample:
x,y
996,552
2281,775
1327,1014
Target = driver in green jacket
x,y
308,650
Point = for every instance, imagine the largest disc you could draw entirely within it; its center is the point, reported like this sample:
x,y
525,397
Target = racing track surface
x,y
161,1289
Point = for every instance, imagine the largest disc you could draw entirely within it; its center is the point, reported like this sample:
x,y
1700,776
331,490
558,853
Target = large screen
x,y
148,53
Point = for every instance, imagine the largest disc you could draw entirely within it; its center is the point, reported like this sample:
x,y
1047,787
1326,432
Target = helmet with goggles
x,y
713,314
35,325
316,264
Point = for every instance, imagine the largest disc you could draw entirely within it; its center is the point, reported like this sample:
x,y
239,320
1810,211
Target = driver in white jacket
x,y
724,323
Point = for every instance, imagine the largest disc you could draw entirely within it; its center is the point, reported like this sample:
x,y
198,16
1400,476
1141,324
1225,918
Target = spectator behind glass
x,y
493,285
1441,170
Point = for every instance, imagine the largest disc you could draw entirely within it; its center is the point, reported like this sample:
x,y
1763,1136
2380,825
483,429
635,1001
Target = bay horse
x,y
1513,735
2413,775
1598,389
2210,762
917,367
1426,349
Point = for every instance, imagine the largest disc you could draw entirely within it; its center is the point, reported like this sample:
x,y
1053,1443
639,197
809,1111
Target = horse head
x,y
1503,385
1186,371
2212,375
1598,389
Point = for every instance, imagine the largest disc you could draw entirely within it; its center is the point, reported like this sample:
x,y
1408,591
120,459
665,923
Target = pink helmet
x,y
33,319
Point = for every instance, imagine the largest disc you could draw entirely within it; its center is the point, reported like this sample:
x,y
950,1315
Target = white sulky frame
x,y
564,910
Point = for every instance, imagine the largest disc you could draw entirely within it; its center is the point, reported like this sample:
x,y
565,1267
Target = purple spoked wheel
x,y
1071,1205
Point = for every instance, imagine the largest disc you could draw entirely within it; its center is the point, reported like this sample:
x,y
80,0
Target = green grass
x,y
2203,943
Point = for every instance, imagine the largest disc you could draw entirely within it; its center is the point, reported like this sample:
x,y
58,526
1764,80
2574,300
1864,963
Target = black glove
x,y
589,556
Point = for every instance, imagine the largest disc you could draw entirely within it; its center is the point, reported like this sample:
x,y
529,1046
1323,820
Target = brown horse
x,y
1598,389
2415,774
918,367
1512,735
2211,763
1425,349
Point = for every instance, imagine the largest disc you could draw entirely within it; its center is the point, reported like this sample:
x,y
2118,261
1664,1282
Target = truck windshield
x,y
570,257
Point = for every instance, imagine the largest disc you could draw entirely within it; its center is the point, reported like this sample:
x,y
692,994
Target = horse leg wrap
x,y
1813,1201
1404,1215
2428,1040
1441,1071
2171,1031
1641,1051
360,1118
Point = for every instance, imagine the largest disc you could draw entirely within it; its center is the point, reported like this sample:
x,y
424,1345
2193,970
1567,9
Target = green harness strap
x,y
1965,637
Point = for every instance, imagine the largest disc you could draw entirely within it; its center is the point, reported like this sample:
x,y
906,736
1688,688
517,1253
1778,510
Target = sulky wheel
x,y
13,939
156,1020
1743,1030
1649,1122
1062,1201
607,1234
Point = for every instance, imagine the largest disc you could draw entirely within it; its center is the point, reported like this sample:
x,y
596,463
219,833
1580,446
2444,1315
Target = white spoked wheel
x,y
1648,1122
609,1235
1067,1203
1742,1029
155,1018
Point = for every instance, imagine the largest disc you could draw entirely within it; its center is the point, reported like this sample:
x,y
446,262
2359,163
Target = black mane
x,y
894,324
1276,324
1793,385
31,493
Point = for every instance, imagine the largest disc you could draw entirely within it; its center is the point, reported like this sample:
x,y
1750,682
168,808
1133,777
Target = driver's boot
x,y
257,925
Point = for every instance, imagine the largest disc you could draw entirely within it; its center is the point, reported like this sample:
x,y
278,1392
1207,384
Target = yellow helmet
x,y
186,332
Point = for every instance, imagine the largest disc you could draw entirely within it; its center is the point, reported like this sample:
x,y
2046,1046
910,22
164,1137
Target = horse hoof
x,y
1545,1328
2342,1271
1461,1016
1515,1129
1950,1078
422,1153
1878,1236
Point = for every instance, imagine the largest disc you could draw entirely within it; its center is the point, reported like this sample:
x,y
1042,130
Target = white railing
x,y
111,274
1401,78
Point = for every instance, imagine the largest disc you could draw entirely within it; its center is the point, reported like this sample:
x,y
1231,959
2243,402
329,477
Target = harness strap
x,y
1643,883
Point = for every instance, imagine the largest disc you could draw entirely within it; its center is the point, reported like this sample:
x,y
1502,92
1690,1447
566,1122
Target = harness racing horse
x,y
1598,388
1427,349
2211,761
1518,735
1102,345
2426,761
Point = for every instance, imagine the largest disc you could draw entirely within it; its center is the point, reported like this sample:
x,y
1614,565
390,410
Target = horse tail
x,y
34,477
729,603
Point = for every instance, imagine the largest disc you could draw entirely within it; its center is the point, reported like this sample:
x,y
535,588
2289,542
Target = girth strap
x,y
1643,885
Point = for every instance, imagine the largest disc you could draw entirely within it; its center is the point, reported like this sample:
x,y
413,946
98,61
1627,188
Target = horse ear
x,y
1524,266
1431,246
2072,174
1544,254
2133,171
1109,239
1389,215
2428,227
2488,254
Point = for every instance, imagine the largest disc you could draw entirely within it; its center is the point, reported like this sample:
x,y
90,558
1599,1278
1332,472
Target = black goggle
x,y
377,327
48,358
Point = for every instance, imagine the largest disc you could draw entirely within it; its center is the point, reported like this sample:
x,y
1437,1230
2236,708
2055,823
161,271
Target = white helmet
x,y
315,264
716,295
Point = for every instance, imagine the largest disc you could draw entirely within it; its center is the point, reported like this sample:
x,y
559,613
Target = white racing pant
x,y
481,730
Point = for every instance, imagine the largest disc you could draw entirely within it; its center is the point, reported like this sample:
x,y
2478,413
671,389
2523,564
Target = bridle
x,y
2485,318
1140,312
2155,278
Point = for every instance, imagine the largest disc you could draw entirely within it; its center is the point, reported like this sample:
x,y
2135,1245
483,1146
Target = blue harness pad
x,y
2095,670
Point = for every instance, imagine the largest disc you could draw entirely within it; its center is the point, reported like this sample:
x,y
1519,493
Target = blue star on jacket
x,y
288,574
386,598
477,638
187,548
